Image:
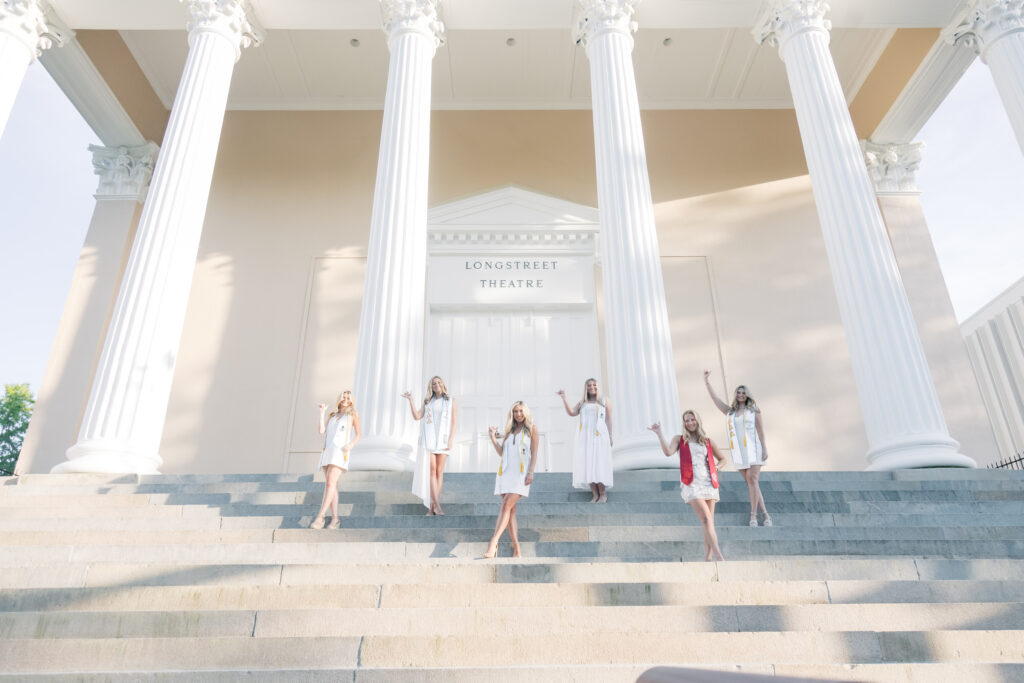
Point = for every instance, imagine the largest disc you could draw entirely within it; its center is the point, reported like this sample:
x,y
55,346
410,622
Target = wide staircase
x,y
908,576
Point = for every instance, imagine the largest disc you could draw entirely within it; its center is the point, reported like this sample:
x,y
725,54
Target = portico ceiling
x,y
501,54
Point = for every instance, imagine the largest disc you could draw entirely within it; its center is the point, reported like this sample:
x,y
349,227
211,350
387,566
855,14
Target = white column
x,y
124,174
24,34
994,30
902,416
389,355
124,417
638,345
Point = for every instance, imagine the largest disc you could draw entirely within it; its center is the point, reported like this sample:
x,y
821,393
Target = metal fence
x,y
1012,463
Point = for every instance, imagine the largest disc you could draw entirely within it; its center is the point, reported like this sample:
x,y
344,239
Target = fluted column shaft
x,y
994,29
638,344
389,355
124,418
24,34
902,416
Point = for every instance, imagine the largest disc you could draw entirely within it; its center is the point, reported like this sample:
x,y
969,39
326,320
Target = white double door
x,y
490,359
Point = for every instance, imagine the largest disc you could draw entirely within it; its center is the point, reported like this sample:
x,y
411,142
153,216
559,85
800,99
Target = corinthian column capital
x,y
33,23
783,19
417,16
982,22
603,16
893,167
124,172
233,19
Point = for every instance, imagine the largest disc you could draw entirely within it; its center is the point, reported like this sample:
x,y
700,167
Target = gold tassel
x,y
597,432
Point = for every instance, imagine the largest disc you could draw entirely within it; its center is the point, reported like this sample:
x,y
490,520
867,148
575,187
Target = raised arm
x,y
493,433
608,419
668,448
760,433
719,403
534,446
323,410
573,412
417,413
451,431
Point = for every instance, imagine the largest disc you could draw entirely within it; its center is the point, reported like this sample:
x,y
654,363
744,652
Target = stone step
x,y
921,672
85,655
737,499
1006,509
857,477
506,571
202,589
460,484
502,621
625,551
682,518
483,530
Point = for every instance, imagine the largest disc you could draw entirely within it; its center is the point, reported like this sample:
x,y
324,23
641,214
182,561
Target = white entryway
x,y
512,315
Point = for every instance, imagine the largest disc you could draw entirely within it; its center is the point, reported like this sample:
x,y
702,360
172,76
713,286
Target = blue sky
x,y
972,179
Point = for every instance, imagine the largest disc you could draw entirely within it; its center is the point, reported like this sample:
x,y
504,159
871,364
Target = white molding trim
x,y
941,69
81,81
462,212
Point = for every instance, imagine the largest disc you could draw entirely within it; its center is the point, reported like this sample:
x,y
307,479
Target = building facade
x,y
514,196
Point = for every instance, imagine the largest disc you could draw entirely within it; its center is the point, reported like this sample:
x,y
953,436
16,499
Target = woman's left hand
x,y
529,478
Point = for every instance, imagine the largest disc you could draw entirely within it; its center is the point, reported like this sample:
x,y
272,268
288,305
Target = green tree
x,y
15,410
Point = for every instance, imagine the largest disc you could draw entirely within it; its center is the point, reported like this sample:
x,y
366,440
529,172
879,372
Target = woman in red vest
x,y
698,474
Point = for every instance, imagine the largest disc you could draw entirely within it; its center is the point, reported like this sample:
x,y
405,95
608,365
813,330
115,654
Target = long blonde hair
x,y
598,398
511,421
695,437
751,403
430,391
351,404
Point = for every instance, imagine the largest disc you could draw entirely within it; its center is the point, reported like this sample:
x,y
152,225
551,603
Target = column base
x,y
918,453
383,453
640,452
104,457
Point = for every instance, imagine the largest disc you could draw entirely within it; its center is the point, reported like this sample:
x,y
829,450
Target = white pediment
x,y
511,207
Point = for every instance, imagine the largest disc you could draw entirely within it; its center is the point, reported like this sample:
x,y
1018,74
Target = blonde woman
x,y
698,475
517,453
592,460
437,431
341,434
746,439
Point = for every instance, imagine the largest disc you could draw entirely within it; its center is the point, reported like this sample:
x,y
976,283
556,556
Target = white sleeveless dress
x,y
746,447
513,466
435,428
337,435
592,460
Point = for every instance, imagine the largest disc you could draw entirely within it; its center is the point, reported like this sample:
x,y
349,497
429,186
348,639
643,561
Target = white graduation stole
x,y
341,432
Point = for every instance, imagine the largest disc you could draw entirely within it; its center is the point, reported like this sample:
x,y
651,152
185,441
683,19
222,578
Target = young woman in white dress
x,y
698,475
746,439
592,460
341,434
517,453
437,430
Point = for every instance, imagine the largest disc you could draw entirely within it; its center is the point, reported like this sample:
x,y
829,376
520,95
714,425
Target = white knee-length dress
x,y
514,465
592,460
337,435
435,428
